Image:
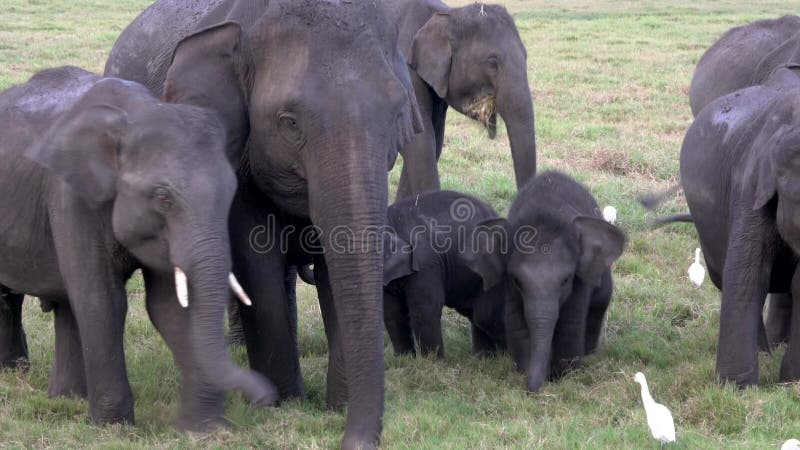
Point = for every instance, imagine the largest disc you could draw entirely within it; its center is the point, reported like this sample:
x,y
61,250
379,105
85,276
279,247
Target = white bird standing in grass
x,y
659,419
610,214
791,444
696,271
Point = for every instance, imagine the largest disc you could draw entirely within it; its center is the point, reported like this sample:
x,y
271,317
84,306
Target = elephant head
x,y
319,96
543,279
772,170
474,59
133,161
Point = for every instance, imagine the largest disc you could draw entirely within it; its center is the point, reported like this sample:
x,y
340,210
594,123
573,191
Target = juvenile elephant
x,y
738,162
100,179
473,60
555,253
316,100
744,56
424,271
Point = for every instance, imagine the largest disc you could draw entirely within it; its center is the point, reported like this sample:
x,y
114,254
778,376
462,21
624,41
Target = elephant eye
x,y
290,129
492,62
288,120
163,199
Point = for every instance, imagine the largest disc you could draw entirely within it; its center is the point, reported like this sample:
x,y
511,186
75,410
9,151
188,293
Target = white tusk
x,y
181,287
237,289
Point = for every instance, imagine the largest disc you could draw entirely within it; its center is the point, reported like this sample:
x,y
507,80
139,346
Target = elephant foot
x,y
209,425
742,379
19,362
562,367
71,388
110,411
351,443
790,369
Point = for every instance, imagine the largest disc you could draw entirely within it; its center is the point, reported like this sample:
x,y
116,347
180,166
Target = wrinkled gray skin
x,y
744,56
316,99
424,277
99,179
557,267
737,165
473,60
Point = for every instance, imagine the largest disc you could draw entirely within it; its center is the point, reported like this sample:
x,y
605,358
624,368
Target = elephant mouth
x,y
484,109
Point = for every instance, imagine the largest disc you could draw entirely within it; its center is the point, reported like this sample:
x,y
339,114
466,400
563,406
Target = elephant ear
x,y
486,250
764,168
431,53
601,244
398,258
81,149
209,69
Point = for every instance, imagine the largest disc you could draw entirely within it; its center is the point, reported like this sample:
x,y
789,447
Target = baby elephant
x,y
98,178
556,261
425,271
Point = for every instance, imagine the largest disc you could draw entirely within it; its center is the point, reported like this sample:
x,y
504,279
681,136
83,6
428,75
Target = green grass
x,y
609,80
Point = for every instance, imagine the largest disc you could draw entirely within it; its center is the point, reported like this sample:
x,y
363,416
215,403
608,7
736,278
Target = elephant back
x,y
143,52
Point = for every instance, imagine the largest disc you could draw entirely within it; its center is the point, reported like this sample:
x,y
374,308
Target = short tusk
x,y
181,287
237,289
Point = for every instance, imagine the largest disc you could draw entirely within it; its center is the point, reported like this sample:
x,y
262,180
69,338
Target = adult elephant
x,y
316,99
473,60
742,57
738,165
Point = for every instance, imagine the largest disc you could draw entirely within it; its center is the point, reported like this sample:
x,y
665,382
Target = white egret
x,y
659,419
610,214
791,444
696,271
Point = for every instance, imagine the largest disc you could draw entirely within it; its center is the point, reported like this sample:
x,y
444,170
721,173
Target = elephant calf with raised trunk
x,y
556,260
424,271
99,179
473,60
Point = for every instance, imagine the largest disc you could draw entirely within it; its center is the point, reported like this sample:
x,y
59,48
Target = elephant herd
x,y
217,118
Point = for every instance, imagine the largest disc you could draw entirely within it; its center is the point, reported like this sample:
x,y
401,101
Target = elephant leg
x,y
235,328
68,377
337,376
598,305
425,296
96,291
482,344
101,323
13,343
395,317
740,321
202,406
779,318
569,338
420,172
790,366
270,324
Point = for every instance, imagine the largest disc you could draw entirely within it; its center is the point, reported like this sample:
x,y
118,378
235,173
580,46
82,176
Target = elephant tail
x,y
672,218
651,201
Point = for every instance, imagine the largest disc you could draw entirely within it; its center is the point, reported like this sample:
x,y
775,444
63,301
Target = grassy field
x,y
610,82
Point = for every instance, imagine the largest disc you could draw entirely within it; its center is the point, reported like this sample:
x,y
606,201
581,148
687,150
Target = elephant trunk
x,y
207,268
515,106
541,321
348,204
